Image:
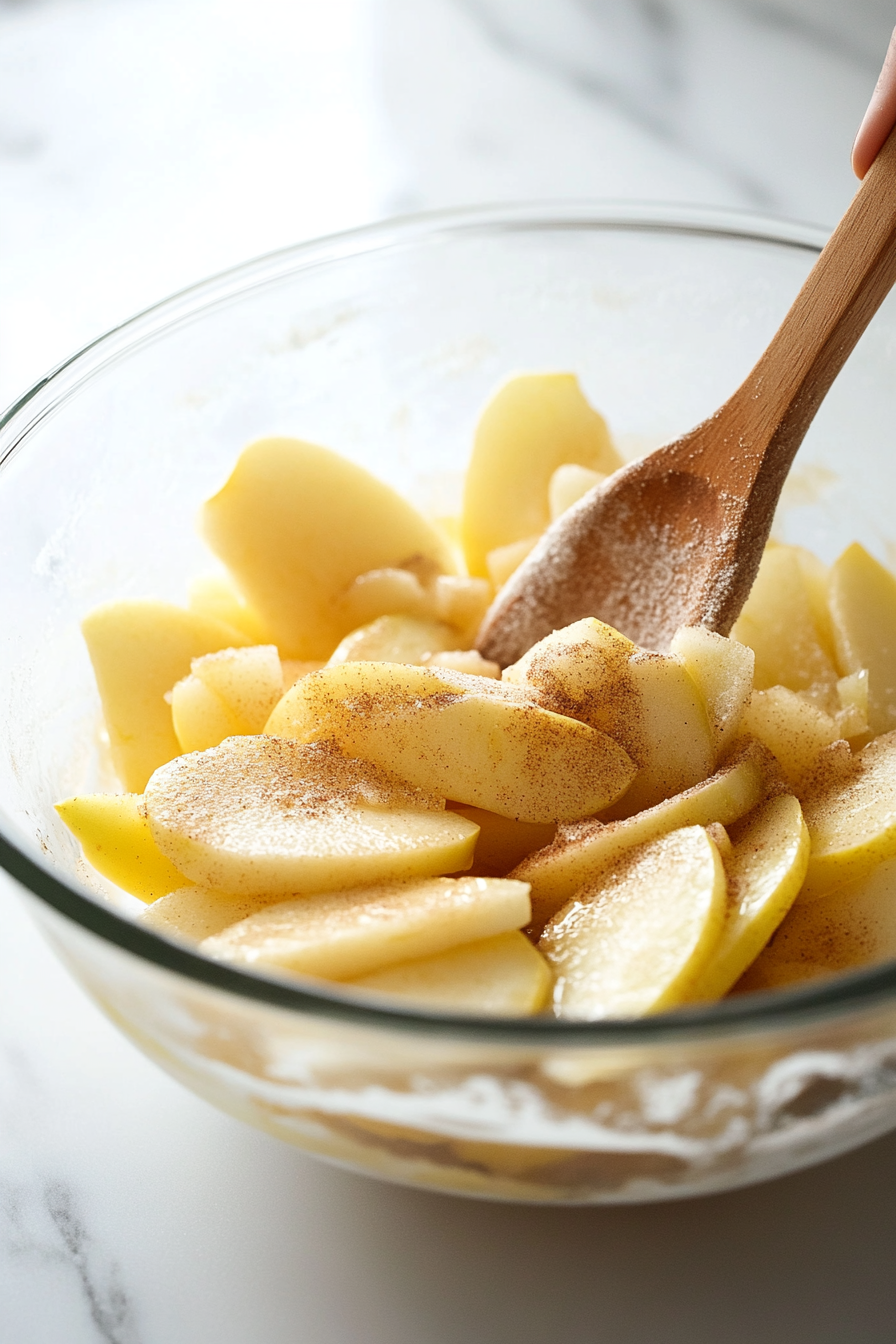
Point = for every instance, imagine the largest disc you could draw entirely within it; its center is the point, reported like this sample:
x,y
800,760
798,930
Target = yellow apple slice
x,y
194,913
139,649
464,660
394,639
568,484
862,597
263,816
722,671
115,837
770,851
637,941
503,561
501,976
854,926
779,624
586,849
852,819
214,595
469,738
502,843
226,694
384,592
296,524
532,425
645,701
341,935
795,730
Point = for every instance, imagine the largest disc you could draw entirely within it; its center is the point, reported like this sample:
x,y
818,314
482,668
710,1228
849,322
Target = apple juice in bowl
x,y
532,1109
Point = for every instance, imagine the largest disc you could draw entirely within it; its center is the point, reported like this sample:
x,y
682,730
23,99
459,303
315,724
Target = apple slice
x,y
502,843
116,840
214,595
586,849
851,817
645,701
795,730
194,913
226,694
296,524
765,871
862,596
532,425
139,649
854,926
780,624
394,639
722,671
341,935
263,816
468,738
568,484
637,941
501,976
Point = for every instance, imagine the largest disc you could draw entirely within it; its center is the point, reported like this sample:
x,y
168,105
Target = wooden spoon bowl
x,y
676,538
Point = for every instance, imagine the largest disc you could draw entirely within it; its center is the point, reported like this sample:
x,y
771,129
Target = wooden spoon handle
x,y
775,405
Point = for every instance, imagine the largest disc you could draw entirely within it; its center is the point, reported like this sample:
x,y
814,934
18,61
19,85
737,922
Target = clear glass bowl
x,y
384,344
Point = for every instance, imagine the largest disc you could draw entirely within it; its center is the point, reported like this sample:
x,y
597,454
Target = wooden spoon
x,y
676,538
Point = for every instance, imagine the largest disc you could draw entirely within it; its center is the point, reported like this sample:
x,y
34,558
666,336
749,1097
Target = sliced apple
x,y
226,694
722,671
779,623
263,816
854,926
637,941
568,484
464,660
770,852
585,850
469,738
394,639
139,649
532,425
645,701
215,596
862,596
384,592
795,730
116,840
341,935
193,913
851,819
503,561
502,843
296,524
501,976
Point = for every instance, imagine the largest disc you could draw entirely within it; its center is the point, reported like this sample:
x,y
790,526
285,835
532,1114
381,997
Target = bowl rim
x,y
785,1009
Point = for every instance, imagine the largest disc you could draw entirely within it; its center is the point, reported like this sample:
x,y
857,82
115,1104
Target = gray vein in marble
x,y
831,33
64,1240
645,99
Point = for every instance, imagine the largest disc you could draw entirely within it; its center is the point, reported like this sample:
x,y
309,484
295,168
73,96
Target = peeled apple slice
x,y
793,728
296,524
394,639
780,625
852,819
567,486
465,737
862,596
853,927
765,870
532,425
214,595
586,849
262,816
502,842
226,694
116,840
637,941
341,935
647,702
139,649
503,976
722,671
194,913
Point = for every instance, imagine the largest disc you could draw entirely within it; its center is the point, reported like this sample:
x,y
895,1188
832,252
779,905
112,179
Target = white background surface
x,y
147,143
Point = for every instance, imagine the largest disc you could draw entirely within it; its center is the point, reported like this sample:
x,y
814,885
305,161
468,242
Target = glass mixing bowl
x,y
384,344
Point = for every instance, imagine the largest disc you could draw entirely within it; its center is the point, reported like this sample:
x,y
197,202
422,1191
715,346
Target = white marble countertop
x,y
144,144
